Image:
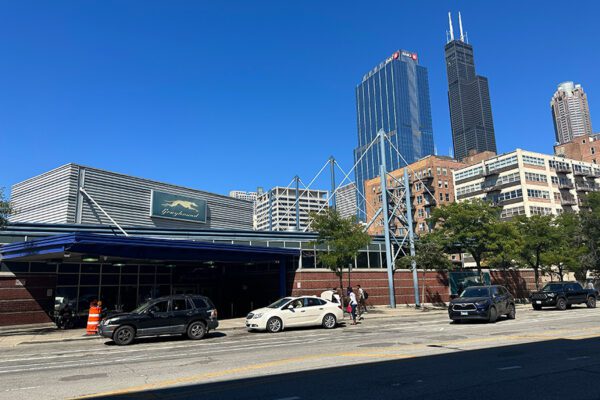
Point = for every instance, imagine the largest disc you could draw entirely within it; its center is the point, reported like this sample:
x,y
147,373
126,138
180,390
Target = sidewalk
x,y
47,333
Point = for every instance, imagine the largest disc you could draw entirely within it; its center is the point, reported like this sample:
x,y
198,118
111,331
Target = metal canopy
x,y
139,248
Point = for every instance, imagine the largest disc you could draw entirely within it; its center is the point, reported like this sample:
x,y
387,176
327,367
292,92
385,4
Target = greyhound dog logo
x,y
190,205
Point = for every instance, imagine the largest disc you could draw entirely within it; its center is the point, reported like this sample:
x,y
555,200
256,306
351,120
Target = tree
x,y
343,236
538,237
5,210
466,227
568,249
590,232
429,255
504,246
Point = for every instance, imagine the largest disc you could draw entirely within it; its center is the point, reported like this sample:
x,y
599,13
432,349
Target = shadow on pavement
x,y
553,369
172,338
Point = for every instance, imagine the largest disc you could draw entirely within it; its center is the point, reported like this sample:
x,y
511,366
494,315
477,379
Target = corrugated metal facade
x,y
53,198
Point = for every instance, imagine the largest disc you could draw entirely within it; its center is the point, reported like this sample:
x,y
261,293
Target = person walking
x,y
353,304
362,301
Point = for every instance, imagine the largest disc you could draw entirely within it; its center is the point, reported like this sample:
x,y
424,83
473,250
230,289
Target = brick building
x,y
431,185
583,148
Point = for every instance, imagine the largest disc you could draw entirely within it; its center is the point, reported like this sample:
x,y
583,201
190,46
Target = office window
x,y
533,177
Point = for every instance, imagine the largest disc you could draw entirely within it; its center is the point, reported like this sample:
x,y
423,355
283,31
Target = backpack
x,y
365,294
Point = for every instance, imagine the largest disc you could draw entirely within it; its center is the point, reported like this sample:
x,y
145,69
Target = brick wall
x,y
307,282
26,299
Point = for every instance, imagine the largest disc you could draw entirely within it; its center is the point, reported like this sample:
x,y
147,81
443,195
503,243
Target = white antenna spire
x,y
462,37
451,30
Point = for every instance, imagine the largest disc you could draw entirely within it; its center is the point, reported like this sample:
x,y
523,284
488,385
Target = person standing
x,y
353,304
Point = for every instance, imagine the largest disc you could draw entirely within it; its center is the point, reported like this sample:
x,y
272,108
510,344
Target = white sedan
x,y
293,312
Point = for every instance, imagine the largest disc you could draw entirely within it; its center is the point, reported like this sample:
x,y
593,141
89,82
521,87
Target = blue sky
x,y
228,95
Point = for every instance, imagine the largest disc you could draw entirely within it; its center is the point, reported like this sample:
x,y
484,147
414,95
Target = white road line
x,y
509,368
578,358
22,388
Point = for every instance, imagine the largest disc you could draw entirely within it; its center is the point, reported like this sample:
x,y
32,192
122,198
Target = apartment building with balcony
x,y
275,210
528,183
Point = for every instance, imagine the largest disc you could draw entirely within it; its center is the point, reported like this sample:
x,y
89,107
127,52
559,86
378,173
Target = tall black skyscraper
x,y
468,98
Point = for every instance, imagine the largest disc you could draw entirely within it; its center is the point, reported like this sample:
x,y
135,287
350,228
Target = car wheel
x,y
561,304
512,313
274,325
591,302
537,307
329,321
196,330
124,335
493,315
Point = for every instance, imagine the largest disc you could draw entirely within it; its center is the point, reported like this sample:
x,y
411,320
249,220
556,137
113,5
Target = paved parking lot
x,y
407,354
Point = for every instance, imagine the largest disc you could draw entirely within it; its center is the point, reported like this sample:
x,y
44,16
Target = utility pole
x,y
386,219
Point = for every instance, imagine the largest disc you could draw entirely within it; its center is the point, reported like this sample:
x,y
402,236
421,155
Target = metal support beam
x,y
82,190
386,219
297,178
411,237
333,189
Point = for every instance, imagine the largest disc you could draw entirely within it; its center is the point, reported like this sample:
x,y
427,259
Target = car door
x,y
182,312
571,294
157,319
292,314
313,311
579,292
498,299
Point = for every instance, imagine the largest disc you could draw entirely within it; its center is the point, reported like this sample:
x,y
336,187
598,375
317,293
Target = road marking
x,y
509,368
578,358
22,388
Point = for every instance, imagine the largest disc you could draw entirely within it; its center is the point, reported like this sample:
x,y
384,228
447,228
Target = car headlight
x,y
551,294
257,316
482,303
110,321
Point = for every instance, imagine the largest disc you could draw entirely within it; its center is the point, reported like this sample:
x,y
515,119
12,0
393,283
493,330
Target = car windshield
x,y
476,292
142,307
552,287
279,303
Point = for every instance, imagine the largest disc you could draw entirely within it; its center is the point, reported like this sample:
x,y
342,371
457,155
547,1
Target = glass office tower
x,y
393,96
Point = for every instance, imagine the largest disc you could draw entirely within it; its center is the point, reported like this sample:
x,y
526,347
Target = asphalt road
x,y
547,354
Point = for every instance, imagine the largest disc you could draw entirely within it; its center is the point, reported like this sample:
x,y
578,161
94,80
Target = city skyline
x,y
109,102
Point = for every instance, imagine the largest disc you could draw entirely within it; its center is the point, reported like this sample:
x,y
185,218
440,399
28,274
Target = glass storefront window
x,y
90,268
129,297
374,260
361,260
67,279
110,297
89,279
68,268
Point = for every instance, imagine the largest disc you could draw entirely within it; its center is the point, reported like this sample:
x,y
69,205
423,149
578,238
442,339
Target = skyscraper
x,y
468,98
570,112
394,96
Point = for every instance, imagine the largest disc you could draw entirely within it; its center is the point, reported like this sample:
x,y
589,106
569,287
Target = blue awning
x,y
138,248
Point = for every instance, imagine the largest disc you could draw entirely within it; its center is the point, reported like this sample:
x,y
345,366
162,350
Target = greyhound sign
x,y
173,206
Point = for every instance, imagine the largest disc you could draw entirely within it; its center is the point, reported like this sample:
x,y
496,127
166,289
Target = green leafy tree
x,y
343,236
5,210
568,249
538,238
504,245
466,227
429,255
590,232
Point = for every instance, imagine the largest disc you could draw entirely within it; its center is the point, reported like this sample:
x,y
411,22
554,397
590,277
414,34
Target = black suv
x,y
179,314
563,295
482,302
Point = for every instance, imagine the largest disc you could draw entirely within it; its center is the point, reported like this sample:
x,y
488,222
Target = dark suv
x,y
563,295
192,315
482,302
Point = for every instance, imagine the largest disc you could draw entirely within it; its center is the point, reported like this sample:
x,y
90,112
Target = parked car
x,y
482,303
294,312
191,315
563,295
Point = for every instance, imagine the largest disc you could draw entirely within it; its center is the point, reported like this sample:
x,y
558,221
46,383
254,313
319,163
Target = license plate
x,y
538,302
464,313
